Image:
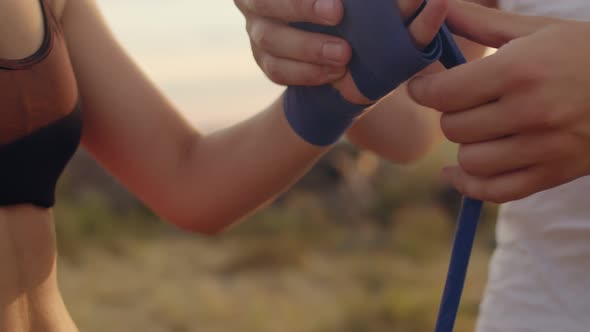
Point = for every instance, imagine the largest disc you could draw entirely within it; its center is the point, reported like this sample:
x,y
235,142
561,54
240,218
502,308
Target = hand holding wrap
x,y
383,56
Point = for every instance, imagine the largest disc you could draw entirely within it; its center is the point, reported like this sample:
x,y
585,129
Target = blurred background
x,y
359,245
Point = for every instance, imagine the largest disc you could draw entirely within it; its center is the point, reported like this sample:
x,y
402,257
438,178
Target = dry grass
x,y
322,259
273,282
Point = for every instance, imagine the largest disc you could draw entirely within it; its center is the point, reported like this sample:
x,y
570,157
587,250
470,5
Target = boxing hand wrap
x,y
383,56
319,114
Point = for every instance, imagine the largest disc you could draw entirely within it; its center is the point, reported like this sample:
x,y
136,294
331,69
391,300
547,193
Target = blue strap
x,y
466,225
383,52
319,114
383,57
464,238
451,55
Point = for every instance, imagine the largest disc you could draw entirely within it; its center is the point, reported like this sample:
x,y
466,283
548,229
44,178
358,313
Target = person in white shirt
x,y
539,277
522,119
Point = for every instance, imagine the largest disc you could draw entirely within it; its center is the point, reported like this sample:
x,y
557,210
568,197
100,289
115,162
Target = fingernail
x,y
325,9
414,88
334,72
334,51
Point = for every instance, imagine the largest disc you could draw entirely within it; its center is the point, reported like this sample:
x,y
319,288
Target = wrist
x,y
349,91
320,115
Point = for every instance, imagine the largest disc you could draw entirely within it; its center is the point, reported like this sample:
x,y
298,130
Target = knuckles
x,y
256,6
470,164
276,71
548,119
523,72
271,66
313,76
260,33
427,92
541,113
519,72
449,128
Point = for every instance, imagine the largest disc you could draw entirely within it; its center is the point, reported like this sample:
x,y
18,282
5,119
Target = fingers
x,y
507,116
289,56
284,41
408,8
290,72
516,167
484,123
503,188
491,27
509,186
425,27
463,87
327,12
510,154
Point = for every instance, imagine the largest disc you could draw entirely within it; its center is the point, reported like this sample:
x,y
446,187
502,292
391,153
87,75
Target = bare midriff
x,y
30,300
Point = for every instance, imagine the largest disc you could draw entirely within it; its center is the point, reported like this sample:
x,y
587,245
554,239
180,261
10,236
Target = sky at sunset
x,y
198,52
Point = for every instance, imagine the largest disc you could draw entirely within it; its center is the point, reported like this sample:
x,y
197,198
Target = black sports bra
x,y
40,119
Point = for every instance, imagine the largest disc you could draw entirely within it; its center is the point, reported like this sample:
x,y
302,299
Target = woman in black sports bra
x,y
64,80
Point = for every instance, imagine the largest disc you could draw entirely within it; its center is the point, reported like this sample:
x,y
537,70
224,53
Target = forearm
x,y
199,182
397,129
231,173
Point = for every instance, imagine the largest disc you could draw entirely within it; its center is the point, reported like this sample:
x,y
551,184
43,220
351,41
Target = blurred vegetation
x,y
357,245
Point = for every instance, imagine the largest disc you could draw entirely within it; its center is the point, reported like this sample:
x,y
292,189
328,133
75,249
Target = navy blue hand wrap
x,y
383,52
318,114
383,57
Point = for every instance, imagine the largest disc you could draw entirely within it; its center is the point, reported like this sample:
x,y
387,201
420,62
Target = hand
x,y
522,115
289,56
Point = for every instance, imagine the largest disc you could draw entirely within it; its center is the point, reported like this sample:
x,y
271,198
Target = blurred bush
x,y
358,244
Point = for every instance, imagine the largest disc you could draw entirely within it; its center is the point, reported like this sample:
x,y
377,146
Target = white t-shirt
x,y
569,9
539,277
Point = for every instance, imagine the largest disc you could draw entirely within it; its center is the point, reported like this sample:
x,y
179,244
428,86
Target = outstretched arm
x,y
202,183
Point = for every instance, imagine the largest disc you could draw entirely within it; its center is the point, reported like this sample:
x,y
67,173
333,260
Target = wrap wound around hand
x,y
383,52
383,56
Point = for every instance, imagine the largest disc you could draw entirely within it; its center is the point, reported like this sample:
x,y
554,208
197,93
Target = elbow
x,y
204,224
202,229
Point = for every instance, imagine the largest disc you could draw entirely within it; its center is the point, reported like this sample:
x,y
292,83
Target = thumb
x,y
427,24
492,27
